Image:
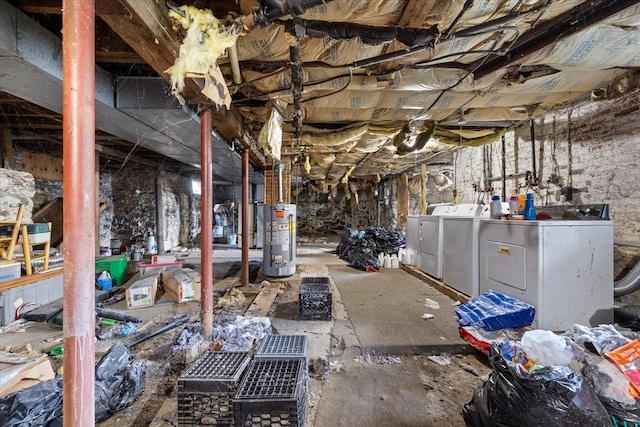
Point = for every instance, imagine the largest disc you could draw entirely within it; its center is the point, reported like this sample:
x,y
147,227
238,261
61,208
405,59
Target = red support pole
x,y
78,123
206,231
244,272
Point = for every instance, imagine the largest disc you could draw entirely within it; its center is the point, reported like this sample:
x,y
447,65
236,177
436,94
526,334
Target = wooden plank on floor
x,y
262,303
448,291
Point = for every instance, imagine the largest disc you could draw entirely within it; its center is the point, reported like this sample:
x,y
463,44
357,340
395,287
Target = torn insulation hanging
x,y
205,41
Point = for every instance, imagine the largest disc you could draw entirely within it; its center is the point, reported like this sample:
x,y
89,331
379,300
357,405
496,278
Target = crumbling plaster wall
x,y
592,147
16,188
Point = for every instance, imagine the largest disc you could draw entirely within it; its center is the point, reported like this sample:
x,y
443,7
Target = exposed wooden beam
x,y
147,29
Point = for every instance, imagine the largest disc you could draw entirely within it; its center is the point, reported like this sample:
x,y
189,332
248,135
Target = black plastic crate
x,y
207,387
314,302
284,347
273,391
314,280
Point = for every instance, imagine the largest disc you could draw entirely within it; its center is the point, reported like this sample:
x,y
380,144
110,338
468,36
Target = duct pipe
x,y
235,65
270,10
79,201
410,37
629,283
244,272
206,230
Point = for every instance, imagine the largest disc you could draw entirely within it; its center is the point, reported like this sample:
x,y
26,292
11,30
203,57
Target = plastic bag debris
x,y
627,358
493,311
600,339
609,382
551,395
546,348
429,303
240,334
440,360
118,383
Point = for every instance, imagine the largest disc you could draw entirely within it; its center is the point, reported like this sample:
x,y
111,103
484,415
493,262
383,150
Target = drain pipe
x,y
270,10
534,176
629,283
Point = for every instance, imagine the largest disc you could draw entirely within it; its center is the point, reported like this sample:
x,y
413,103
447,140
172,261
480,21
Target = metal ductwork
x,y
629,283
136,109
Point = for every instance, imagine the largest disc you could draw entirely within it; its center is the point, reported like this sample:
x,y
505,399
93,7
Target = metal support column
x,y
244,272
78,122
206,231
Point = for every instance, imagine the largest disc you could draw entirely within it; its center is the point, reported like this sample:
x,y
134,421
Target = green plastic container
x,y
116,265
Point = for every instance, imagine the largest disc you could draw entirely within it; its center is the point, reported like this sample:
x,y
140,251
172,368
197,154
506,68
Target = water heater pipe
x,y
280,167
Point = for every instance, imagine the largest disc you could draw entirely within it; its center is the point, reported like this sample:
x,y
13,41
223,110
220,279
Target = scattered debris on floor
x,y
241,333
119,381
233,297
584,376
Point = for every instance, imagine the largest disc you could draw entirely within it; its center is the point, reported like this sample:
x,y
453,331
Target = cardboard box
x,y
182,285
141,290
22,375
166,266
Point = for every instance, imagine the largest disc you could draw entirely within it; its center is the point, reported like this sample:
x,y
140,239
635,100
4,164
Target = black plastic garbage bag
x,y
550,396
364,259
118,383
39,405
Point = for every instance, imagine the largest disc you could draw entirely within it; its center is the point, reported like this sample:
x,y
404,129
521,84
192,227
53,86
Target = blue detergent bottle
x,y
529,208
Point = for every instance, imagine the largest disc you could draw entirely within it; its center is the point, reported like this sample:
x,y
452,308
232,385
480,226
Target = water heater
x,y
279,251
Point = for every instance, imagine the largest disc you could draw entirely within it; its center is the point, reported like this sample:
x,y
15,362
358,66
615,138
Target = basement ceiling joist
x,y
456,73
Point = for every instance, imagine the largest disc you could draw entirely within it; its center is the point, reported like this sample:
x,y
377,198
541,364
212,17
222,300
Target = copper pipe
x,y
206,231
78,124
244,272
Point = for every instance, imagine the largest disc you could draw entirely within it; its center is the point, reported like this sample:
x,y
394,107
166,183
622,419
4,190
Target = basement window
x,y
196,187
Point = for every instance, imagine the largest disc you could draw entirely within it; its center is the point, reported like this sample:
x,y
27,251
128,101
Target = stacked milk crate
x,y
234,389
314,300
274,390
207,388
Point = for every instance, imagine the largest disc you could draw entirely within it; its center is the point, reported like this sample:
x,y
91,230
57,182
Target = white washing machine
x,y
430,241
430,257
460,249
411,239
564,268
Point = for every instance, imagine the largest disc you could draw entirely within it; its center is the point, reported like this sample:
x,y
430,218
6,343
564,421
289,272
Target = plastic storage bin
x,y
116,265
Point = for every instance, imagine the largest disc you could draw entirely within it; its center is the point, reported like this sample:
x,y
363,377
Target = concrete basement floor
x,y
377,345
